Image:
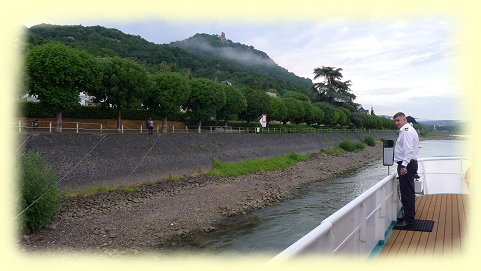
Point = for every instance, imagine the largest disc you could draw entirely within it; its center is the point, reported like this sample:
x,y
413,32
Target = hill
x,y
202,55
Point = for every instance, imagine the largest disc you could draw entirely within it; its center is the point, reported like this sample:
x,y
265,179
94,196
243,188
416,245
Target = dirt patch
x,y
122,222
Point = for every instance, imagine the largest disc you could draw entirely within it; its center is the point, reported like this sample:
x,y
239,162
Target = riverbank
x,y
85,161
130,222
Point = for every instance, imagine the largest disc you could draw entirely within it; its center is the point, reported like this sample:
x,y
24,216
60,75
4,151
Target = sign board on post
x,y
263,120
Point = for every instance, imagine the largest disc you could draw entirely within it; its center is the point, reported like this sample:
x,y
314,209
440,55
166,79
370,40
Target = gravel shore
x,y
124,223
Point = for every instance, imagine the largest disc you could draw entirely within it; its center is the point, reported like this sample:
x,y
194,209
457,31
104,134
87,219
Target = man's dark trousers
x,y
406,185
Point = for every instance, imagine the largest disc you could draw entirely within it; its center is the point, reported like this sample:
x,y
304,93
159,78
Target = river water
x,y
272,229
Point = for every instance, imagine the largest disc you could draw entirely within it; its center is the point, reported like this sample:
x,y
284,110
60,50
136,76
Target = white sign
x,y
263,121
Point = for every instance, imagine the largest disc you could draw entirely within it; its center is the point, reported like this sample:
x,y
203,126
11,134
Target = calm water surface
x,y
272,229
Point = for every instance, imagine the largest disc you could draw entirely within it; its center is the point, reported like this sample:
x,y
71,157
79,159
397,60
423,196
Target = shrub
x,y
347,145
358,146
38,186
370,141
350,146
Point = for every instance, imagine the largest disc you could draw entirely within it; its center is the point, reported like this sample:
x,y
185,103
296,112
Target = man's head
x,y
400,119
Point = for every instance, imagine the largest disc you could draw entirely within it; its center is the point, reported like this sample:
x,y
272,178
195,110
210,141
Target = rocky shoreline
x,y
122,222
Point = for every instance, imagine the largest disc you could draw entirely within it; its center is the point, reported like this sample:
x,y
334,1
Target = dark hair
x,y
399,114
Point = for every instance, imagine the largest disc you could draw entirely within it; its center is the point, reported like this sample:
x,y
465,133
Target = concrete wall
x,y
117,155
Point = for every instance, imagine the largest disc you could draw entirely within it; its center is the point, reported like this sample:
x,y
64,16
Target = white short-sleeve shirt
x,y
407,145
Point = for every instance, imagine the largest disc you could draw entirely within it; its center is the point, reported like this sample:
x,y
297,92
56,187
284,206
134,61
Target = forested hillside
x,y
251,60
217,61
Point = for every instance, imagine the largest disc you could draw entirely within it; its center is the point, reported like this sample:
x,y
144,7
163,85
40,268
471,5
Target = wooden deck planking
x,y
456,225
435,201
412,236
422,207
429,214
448,211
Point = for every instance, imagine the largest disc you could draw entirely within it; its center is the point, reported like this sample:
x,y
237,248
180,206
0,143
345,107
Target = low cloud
x,y
235,54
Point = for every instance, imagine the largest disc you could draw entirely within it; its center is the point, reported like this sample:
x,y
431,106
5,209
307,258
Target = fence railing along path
x,y
83,127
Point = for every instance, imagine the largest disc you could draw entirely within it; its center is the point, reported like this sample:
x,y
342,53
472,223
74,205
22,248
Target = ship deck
x,y
449,213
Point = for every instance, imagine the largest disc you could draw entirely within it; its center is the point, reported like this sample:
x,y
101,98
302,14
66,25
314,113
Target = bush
x,y
350,146
358,146
370,141
37,183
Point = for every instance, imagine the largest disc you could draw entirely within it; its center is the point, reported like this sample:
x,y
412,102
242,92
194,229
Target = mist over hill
x,y
202,55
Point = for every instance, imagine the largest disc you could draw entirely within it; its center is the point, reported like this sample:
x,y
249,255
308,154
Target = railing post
x,y
211,129
77,127
362,229
19,126
50,126
101,127
122,129
173,129
141,128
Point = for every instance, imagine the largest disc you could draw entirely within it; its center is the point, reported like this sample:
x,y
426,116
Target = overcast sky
x,y
394,65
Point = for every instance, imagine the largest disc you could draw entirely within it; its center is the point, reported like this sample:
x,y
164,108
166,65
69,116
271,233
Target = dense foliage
x,y
184,56
39,192
140,79
124,84
206,98
56,74
167,93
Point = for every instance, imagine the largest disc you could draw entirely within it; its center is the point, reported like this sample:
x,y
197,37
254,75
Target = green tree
x,y
296,95
342,117
206,98
331,89
312,114
56,74
235,102
348,115
257,104
124,84
277,109
168,92
295,111
331,114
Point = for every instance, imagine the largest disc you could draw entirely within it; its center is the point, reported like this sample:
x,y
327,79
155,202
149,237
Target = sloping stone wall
x,y
115,159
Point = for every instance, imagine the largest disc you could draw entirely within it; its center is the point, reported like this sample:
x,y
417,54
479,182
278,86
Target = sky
x,y
396,64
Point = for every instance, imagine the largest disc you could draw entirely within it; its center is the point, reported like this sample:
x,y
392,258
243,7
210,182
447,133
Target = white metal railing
x,y
77,127
444,175
356,228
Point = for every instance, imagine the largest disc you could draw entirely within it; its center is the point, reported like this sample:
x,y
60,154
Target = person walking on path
x,y
405,154
150,125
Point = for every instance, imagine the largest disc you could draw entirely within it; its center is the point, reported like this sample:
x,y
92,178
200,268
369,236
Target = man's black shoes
x,y
401,218
404,223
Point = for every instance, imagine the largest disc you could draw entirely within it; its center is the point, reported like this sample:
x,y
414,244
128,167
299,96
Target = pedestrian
x,y
150,125
34,124
405,154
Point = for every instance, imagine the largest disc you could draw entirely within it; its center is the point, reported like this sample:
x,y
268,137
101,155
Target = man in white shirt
x,y
405,154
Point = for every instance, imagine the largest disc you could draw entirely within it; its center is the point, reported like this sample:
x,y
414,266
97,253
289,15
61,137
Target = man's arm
x,y
408,144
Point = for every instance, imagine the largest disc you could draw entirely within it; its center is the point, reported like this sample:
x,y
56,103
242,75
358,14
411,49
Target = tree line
x,y
56,74
103,42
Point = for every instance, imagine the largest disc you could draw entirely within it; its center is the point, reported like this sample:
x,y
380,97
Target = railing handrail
x,y
324,229
234,129
323,232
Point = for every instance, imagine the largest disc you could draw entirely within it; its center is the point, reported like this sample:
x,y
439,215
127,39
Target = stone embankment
x,y
164,211
89,160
